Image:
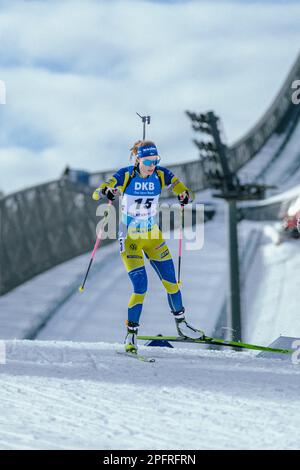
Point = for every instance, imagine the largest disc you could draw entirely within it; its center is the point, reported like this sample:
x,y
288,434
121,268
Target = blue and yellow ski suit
x,y
139,233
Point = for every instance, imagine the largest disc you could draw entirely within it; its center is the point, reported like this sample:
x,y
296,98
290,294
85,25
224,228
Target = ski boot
x,y
184,329
131,337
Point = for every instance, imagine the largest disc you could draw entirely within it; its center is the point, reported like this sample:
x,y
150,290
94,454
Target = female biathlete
x,y
139,234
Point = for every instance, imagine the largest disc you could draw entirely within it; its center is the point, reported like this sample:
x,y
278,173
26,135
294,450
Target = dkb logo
x,y
2,92
148,186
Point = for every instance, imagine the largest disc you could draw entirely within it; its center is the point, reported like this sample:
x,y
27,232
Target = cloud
x,y
76,73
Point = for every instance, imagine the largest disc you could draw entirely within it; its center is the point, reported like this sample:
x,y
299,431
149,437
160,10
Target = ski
x,y
217,342
138,356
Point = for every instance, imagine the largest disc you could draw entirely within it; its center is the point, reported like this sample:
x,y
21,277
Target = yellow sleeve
x,y
118,180
168,179
177,186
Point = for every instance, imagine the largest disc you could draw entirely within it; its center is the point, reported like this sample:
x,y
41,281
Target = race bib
x,y
140,202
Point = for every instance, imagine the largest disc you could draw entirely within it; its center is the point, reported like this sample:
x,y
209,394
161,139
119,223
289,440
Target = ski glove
x,y
184,198
110,193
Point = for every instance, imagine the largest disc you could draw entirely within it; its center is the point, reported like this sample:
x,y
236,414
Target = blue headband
x,y
147,151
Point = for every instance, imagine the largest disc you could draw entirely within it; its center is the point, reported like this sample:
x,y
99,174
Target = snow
x,y
80,394
68,389
271,292
284,170
98,314
64,395
254,167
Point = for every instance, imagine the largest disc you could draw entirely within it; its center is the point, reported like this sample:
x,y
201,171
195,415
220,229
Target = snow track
x,y
64,395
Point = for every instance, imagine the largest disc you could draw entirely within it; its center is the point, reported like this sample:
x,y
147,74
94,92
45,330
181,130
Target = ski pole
x,y
191,199
145,120
98,239
180,243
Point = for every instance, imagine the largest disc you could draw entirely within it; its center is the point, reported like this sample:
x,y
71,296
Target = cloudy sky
x,y
76,72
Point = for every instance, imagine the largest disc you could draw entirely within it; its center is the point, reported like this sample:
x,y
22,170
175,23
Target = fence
x,y
271,209
48,224
41,227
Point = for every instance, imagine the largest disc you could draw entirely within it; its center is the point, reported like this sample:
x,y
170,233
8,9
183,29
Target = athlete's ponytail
x,y
134,151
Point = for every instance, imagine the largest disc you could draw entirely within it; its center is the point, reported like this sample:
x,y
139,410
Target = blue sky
x,y
77,71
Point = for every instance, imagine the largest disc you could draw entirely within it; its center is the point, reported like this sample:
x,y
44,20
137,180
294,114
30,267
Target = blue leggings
x,y
160,258
138,277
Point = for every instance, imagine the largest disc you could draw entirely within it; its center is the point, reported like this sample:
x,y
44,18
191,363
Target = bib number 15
x,y
147,203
